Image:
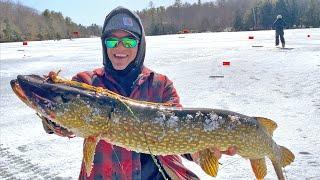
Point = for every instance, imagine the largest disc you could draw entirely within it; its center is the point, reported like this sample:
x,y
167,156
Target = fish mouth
x,y
50,99
44,95
35,92
19,92
33,88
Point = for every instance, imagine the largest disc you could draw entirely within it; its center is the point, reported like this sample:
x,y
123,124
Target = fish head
x,y
41,94
74,108
20,93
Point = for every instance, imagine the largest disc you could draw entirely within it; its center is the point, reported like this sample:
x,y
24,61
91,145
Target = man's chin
x,y
119,67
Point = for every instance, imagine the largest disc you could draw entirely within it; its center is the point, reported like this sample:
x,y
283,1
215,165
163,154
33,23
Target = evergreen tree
x,y
293,12
313,14
266,14
249,22
177,3
281,8
238,22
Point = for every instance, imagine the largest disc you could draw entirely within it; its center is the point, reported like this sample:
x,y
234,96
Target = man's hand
x,y
232,150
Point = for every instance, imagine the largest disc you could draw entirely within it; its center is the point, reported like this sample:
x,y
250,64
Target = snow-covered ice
x,y
262,80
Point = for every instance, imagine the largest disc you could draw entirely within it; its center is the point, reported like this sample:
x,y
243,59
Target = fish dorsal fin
x,y
208,162
259,167
89,148
268,124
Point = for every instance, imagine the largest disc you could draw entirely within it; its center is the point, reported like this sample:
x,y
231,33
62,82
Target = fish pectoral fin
x,y
259,167
287,157
208,162
89,148
268,124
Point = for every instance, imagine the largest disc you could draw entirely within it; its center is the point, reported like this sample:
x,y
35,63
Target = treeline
x,y
19,23
229,15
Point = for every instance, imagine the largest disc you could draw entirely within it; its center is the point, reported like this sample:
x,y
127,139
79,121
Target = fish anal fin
x,y
259,167
287,157
208,162
268,124
89,147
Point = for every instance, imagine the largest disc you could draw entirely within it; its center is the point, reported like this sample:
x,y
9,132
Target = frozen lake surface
x,y
262,80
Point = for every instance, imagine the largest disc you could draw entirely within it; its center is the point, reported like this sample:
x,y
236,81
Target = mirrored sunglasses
x,y
128,42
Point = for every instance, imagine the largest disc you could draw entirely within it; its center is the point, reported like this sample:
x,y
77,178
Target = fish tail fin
x,y
89,147
287,157
209,163
259,167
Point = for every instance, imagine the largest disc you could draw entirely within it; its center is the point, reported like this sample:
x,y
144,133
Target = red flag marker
x,y
226,63
251,37
24,43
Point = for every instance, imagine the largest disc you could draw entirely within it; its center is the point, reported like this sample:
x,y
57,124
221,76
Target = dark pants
x,y
280,33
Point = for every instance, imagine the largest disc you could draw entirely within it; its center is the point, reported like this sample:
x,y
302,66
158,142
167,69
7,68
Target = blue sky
x,y
86,12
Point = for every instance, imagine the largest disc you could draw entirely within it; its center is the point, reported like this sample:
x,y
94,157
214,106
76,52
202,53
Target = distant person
x,y
123,48
279,25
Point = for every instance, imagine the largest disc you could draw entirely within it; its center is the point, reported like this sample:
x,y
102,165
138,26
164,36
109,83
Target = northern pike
x,y
95,113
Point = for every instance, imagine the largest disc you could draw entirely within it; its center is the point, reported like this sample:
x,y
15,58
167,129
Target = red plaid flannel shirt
x,y
113,162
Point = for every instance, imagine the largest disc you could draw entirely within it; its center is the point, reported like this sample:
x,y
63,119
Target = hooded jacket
x,y
113,162
279,25
127,76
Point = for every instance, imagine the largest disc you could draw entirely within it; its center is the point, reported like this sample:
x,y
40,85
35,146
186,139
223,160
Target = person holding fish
x,y
123,48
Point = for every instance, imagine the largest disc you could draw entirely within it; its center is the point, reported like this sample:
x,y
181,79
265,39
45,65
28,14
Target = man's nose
x,y
120,45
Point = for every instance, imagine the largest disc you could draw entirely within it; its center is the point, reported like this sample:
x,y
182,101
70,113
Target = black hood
x,y
134,68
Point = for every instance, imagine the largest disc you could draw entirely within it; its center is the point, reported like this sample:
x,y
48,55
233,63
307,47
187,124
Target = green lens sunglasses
x,y
127,42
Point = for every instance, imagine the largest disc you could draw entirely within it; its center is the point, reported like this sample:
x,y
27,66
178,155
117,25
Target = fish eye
x,y
64,98
58,99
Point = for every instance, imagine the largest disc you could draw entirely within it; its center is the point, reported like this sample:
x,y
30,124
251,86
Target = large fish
x,y
95,113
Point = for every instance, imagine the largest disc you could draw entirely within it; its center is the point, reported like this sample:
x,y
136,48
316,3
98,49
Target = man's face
x,y
121,56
